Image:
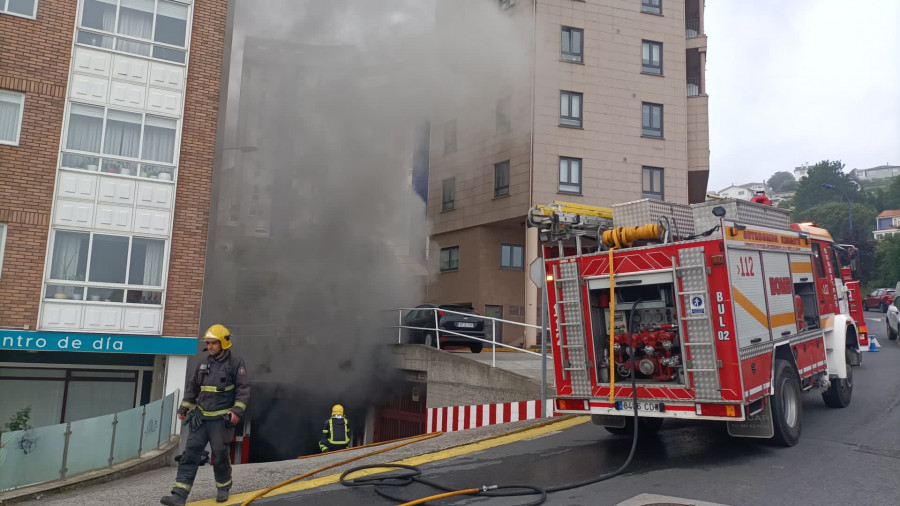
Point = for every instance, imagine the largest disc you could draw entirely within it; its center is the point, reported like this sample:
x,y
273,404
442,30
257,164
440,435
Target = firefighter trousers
x,y
218,433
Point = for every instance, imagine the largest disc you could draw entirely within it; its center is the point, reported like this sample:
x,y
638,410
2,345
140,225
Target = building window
x,y
501,179
506,4
11,107
651,120
448,199
572,48
570,108
651,6
156,29
652,185
512,256
651,57
24,8
450,137
83,265
2,246
504,121
109,140
450,259
569,175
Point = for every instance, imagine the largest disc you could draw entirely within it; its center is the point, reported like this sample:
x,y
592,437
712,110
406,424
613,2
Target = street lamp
x,y
849,205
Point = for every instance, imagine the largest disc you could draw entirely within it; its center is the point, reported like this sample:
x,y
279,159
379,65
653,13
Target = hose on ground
x,y
261,493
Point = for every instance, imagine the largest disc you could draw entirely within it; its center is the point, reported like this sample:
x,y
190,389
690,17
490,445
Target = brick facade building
x,y
108,120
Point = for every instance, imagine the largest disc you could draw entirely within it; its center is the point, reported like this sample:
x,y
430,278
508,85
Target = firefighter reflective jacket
x,y
218,386
337,431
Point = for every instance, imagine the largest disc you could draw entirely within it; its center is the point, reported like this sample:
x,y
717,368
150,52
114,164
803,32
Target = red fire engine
x,y
722,310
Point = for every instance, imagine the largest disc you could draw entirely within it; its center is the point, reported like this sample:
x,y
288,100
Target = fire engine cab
x,y
722,310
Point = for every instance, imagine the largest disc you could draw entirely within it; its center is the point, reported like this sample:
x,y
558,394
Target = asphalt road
x,y
847,456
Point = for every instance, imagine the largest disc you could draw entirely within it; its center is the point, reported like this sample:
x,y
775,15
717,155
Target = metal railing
x,y
54,452
692,28
438,331
693,86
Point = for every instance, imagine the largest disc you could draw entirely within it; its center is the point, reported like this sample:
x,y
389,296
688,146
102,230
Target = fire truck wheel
x,y
646,426
786,405
840,392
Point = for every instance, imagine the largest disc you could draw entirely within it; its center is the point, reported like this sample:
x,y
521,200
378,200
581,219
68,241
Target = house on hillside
x,y
744,191
880,172
887,223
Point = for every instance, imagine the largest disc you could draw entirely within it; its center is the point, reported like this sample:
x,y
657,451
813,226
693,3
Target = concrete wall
x,y
457,381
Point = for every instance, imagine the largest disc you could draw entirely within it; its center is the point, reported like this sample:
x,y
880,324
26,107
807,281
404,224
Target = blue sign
x,y
698,305
30,340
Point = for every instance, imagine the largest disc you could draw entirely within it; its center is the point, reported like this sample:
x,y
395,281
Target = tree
x,y
810,191
887,260
782,181
835,217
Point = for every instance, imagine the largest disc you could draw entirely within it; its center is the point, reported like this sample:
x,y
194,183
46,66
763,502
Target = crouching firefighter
x,y
336,434
215,398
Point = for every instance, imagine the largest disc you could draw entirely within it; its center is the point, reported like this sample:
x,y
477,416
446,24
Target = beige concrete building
x,y
588,101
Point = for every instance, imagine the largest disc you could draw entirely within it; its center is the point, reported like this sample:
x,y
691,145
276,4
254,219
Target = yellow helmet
x,y
219,333
337,410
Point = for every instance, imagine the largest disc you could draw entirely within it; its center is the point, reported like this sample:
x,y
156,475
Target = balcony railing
x,y
692,28
693,86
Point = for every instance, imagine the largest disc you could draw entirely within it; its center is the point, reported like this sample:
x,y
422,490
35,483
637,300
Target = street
x,y
847,456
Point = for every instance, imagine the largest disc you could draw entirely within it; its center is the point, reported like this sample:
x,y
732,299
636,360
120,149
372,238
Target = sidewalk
x,y
146,488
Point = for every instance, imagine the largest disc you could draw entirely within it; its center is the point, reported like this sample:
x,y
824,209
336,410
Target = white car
x,y
892,318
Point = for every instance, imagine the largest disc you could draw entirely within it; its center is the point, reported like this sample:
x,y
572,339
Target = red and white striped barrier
x,y
454,418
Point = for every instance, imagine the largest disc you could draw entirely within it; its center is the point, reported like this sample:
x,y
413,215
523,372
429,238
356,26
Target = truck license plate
x,y
465,325
641,406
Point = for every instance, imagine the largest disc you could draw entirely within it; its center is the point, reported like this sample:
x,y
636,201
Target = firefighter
x,y
215,398
336,434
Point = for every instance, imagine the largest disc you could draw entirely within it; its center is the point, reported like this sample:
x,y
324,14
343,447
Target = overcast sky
x,y
794,82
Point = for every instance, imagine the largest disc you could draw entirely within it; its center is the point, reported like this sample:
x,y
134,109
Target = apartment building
x,y
595,102
107,139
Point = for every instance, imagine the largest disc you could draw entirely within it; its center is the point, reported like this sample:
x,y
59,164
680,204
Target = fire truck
x,y
719,311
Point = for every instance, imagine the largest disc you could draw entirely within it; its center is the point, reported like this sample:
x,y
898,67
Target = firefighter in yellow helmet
x,y
215,398
336,434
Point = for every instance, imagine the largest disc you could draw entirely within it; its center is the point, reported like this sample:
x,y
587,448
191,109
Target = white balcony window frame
x,y
101,156
115,37
86,284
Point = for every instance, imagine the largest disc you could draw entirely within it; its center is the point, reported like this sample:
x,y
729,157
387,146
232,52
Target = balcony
x,y
693,86
692,28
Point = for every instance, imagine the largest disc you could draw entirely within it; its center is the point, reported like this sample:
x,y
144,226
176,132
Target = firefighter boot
x,y
222,494
175,499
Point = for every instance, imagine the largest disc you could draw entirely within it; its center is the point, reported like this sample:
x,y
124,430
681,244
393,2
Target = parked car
x,y
880,298
468,324
892,319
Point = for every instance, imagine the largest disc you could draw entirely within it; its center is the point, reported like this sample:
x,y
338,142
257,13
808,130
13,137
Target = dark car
x,y
468,323
880,298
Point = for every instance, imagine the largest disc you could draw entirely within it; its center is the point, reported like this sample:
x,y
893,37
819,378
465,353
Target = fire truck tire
x,y
646,426
840,392
787,409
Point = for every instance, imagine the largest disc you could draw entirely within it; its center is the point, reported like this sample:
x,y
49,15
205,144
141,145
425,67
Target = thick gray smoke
x,y
317,233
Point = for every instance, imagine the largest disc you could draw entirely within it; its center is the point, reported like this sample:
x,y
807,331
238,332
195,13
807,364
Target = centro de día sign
x,y
57,341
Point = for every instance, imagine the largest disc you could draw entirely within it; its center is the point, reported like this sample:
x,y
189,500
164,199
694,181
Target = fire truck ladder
x,y
570,322
703,365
